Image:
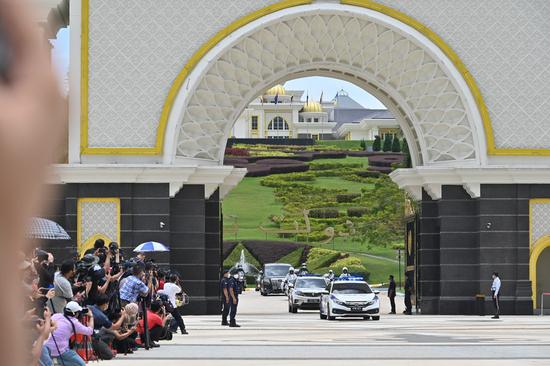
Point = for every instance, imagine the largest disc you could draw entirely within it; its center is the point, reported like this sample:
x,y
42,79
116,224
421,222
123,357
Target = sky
x,y
314,85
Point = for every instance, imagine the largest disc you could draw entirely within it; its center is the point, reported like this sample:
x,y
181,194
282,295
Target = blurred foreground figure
x,y
31,120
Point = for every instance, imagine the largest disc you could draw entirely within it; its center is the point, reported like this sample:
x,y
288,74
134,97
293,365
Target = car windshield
x,y
310,283
279,271
351,288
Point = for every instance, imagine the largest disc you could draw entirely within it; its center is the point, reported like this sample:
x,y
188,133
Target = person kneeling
x,y
156,323
68,325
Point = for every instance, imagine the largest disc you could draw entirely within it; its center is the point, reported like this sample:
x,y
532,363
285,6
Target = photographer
x,y
134,287
156,323
171,289
63,287
103,327
43,264
68,324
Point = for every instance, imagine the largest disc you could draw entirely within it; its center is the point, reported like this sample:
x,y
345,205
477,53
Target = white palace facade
x,y
282,114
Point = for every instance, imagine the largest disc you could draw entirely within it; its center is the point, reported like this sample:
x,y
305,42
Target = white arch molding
x,y
393,61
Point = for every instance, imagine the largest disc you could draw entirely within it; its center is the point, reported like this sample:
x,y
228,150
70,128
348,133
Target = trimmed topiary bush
x,y
387,143
332,166
320,258
324,213
396,145
232,151
357,211
377,144
347,197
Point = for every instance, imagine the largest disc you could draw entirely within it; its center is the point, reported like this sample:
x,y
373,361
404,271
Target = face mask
x,y
236,276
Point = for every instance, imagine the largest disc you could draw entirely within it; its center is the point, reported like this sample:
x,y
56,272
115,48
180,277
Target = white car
x,y
306,293
351,297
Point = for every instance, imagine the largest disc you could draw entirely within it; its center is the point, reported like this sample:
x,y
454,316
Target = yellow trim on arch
x,y
174,89
194,60
538,248
88,243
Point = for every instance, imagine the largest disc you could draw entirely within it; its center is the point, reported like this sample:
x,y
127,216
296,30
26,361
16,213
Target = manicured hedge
x,y
324,213
228,246
386,160
232,151
293,258
347,197
357,211
320,258
367,174
328,166
270,251
235,255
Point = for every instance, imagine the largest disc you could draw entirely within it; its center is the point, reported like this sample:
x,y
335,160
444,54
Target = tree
x,y
387,142
396,144
363,145
377,144
406,151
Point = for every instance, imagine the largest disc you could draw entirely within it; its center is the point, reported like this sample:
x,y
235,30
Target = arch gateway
x,y
155,88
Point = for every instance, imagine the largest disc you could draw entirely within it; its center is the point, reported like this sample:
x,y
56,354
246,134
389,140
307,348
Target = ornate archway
x,y
539,253
412,75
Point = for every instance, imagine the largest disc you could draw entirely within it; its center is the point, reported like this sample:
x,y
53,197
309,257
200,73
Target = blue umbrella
x,y
151,246
47,229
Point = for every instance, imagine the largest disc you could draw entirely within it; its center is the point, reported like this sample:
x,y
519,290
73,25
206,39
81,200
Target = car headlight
x,y
335,299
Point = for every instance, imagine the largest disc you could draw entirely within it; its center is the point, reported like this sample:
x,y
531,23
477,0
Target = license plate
x,y
356,310
313,300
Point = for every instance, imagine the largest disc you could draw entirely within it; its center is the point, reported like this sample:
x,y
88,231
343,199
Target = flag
x,y
276,98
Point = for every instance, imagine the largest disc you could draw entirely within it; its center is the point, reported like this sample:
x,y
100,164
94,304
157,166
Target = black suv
x,y
273,277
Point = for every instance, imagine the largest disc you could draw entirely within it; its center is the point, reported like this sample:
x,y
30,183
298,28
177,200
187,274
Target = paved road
x,y
272,336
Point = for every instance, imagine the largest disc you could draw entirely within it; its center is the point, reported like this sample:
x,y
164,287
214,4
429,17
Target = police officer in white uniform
x,y
495,290
290,279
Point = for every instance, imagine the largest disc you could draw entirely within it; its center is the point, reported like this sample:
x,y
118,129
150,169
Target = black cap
x,y
225,271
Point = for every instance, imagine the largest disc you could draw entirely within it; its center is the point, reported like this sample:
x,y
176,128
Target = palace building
x,y
283,114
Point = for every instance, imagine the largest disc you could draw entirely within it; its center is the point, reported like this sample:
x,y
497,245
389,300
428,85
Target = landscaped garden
x,y
332,212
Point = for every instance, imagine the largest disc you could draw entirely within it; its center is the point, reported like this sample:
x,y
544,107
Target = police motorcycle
x,y
289,281
329,277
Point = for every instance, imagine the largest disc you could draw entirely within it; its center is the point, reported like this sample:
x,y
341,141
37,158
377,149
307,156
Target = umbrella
x,y
47,229
151,246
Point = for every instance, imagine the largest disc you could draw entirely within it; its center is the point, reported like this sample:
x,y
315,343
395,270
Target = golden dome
x,y
277,89
312,107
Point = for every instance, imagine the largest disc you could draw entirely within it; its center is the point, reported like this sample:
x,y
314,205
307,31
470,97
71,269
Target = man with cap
x,y
67,324
224,290
234,288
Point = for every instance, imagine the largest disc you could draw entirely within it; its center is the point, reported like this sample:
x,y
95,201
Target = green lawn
x,y
338,183
347,159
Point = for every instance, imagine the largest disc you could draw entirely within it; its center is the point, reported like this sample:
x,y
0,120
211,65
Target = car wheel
x,y
376,317
328,314
294,309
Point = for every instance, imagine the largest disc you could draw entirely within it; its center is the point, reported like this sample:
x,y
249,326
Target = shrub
x,y
347,197
387,143
233,151
293,258
235,255
407,153
289,168
396,145
367,174
357,211
363,145
324,213
377,144
330,166
320,258
270,251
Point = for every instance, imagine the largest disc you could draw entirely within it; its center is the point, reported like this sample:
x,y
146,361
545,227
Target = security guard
x,y
495,290
330,275
224,289
234,288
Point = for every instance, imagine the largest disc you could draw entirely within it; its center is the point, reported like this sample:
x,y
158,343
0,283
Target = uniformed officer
x,y
224,289
345,273
303,270
391,294
495,290
234,288
330,275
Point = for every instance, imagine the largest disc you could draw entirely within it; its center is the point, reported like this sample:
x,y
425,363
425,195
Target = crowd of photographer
x,y
97,306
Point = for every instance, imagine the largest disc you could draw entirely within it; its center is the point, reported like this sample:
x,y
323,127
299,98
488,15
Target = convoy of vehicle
x,y
344,296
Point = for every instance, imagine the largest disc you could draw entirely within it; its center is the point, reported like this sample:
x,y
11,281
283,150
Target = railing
x,y
542,302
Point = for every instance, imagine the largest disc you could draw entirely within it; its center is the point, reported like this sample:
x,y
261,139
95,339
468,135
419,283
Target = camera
x,y
113,248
